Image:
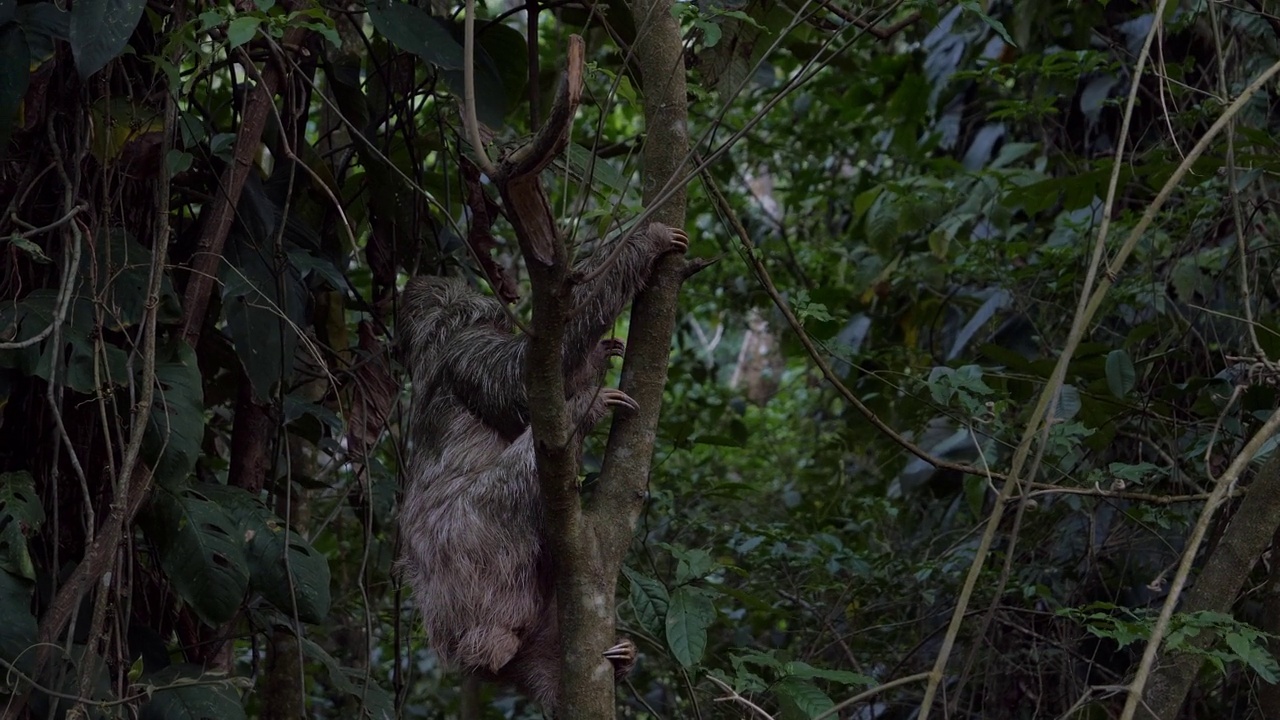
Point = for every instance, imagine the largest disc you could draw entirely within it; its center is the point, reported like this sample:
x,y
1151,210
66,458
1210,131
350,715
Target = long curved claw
x,y
612,347
679,240
616,398
623,657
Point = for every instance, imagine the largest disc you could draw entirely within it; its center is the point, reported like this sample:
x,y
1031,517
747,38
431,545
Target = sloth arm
x,y
486,366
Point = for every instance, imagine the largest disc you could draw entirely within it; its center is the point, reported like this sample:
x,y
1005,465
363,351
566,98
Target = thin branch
x,y
99,556
1050,489
469,118
733,696
221,212
70,272
868,694
1220,491
881,33
762,274
30,232
1049,394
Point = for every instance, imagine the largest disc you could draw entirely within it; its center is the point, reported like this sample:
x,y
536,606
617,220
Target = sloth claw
x,y
623,657
612,347
617,398
679,240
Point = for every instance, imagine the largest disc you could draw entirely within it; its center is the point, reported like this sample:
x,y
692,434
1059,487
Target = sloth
x,y
473,521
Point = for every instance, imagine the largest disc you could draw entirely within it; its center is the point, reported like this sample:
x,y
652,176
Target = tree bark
x,y
1217,585
1268,693
614,510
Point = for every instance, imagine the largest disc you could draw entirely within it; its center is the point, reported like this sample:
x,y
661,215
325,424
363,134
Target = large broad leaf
x,y
415,30
20,515
14,72
100,29
123,276
375,702
806,671
33,315
264,306
283,566
801,699
184,694
22,321
506,53
176,427
1121,375
42,23
201,551
688,617
649,600
18,631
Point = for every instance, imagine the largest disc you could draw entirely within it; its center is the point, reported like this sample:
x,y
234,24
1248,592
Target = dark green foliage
x,y
180,696
100,29
927,205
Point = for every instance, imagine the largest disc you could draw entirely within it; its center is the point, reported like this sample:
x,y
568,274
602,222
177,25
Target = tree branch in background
x,y
766,282
133,481
1224,573
222,211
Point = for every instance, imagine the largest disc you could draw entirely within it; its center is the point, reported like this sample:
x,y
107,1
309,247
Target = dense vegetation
x,y
975,414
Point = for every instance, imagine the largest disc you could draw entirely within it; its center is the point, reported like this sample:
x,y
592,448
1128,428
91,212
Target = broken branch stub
x,y
517,172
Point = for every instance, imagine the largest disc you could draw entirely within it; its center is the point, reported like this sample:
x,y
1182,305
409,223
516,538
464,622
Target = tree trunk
x,y
1217,585
613,512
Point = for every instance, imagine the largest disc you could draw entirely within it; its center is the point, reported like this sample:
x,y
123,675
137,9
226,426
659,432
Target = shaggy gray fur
x,y
475,551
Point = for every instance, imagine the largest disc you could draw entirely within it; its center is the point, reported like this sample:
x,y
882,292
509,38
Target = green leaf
x,y
973,7
201,552
286,569
377,703
99,31
693,564
710,32
802,699
975,493
176,426
123,278
283,566
413,29
1120,373
865,200
241,30
1068,403
36,313
1240,645
42,23
882,224
21,514
184,692
606,181
15,73
688,617
504,51
308,264
178,161
844,677
18,631
264,310
31,249
649,600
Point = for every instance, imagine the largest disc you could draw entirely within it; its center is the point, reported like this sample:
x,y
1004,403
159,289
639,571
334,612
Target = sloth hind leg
x,y
487,648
